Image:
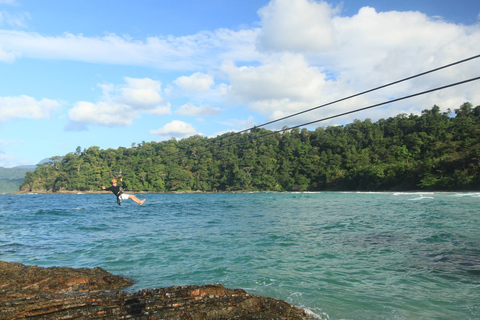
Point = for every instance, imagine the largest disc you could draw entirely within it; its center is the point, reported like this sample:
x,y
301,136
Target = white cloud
x,y
374,48
119,105
296,25
286,85
354,54
26,107
197,82
7,57
372,38
160,110
176,128
189,109
304,53
142,93
102,113
169,53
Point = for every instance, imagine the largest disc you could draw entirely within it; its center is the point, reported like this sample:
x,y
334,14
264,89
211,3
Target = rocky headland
x,y
31,292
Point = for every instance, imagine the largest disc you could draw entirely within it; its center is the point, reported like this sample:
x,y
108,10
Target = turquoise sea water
x,y
339,255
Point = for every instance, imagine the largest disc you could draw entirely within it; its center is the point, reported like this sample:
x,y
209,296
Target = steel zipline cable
x,y
386,102
353,96
360,93
364,108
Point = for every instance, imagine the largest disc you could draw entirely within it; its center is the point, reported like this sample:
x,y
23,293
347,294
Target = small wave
x,y
421,198
51,212
369,192
467,194
265,282
12,247
315,314
13,244
412,193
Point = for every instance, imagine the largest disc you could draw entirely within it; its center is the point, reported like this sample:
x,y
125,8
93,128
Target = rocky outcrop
x,y
28,292
18,281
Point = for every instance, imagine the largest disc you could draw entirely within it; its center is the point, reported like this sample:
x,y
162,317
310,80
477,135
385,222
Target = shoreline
x,y
43,192
144,192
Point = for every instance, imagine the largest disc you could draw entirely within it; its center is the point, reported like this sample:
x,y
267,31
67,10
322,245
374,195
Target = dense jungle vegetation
x,y
431,151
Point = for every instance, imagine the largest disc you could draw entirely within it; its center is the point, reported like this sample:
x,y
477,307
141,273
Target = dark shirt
x,y
118,190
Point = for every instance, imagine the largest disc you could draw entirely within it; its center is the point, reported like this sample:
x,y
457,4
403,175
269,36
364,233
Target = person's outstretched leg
x,y
140,202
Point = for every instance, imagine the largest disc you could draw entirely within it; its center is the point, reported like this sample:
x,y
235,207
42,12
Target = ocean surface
x,y
338,255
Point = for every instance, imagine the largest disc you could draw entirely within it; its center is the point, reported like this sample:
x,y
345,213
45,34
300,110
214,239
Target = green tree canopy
x,y
434,151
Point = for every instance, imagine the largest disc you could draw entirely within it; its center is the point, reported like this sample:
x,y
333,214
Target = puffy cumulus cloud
x,y
176,128
354,54
189,109
102,113
285,85
296,25
290,75
197,82
374,48
119,105
142,93
301,54
384,41
26,107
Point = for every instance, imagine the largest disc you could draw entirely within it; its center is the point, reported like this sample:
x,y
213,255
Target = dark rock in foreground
x,y
18,281
66,293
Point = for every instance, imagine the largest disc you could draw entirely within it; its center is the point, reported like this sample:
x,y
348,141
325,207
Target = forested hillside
x,y
433,151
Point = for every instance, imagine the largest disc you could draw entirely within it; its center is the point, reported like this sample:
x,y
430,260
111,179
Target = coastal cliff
x,y
65,293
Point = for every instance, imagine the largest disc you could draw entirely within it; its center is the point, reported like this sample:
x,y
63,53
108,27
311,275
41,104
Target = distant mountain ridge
x,y
11,178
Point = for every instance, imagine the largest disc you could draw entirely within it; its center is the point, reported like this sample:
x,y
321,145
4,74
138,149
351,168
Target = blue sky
x,y
112,73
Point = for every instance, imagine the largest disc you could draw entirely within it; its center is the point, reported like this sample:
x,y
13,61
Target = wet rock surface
x,y
28,292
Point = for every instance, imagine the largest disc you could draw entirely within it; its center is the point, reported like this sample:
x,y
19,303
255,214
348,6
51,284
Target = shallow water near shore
x,y
338,255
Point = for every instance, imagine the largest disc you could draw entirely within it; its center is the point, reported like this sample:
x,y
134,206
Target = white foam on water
x,y
421,198
467,194
412,193
317,314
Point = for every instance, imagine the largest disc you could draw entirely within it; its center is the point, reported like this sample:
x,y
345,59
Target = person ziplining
x,y
118,191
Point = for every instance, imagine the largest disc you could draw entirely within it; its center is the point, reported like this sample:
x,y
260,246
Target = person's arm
x,y
123,186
